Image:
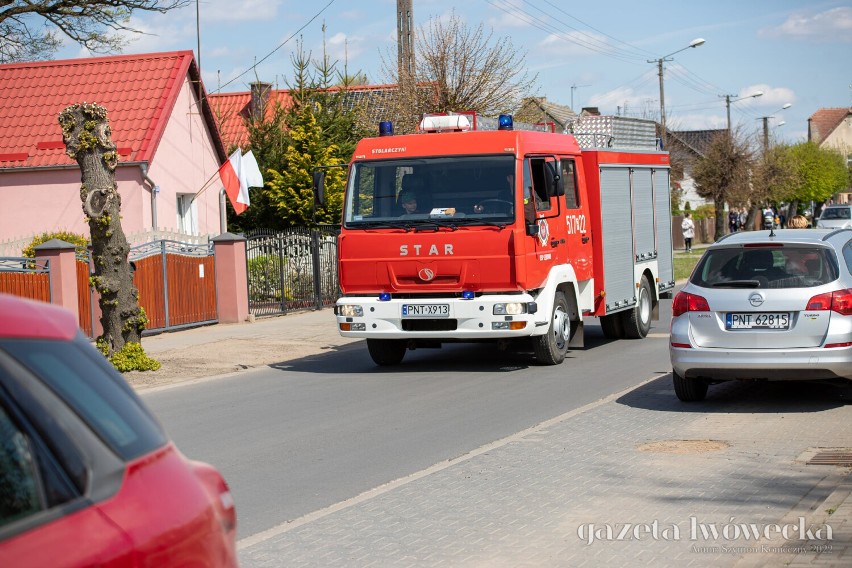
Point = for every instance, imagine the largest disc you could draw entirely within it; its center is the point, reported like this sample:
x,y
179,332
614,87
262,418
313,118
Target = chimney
x,y
259,99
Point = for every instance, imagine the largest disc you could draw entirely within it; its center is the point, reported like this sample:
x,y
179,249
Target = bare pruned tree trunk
x,y
88,140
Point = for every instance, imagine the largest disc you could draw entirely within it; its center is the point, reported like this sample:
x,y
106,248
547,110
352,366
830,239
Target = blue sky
x,y
796,52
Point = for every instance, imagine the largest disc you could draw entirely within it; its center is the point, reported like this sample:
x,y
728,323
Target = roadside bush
x,y
73,238
264,273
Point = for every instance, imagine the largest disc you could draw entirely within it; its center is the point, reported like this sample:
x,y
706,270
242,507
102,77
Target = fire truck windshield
x,y
457,190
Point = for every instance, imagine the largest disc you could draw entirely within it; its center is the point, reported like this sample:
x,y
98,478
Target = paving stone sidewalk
x,y
638,479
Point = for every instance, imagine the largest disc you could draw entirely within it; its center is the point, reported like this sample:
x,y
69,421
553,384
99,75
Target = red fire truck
x,y
514,234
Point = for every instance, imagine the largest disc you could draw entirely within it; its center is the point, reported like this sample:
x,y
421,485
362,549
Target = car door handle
x,y
585,240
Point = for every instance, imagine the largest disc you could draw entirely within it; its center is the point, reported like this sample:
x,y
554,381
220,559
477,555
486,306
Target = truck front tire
x,y
550,348
387,352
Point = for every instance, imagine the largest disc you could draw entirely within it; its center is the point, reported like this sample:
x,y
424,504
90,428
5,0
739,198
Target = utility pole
x,y
405,39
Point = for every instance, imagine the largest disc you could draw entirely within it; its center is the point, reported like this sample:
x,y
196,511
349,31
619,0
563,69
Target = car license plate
x,y
758,321
425,310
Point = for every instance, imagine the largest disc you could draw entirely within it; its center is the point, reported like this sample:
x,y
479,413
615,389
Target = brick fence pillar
x,y
63,272
231,278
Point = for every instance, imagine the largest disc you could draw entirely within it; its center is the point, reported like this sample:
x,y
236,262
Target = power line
x,y
282,44
594,45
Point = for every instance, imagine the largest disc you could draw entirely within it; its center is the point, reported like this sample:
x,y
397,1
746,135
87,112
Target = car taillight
x,y
219,493
839,301
684,302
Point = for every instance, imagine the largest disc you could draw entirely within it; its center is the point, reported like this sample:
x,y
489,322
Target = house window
x,y
187,214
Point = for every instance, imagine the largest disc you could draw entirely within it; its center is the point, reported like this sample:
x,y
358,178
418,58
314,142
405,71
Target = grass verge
x,y
684,263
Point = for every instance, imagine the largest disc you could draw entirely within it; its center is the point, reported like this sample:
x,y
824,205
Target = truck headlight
x,y
510,309
350,310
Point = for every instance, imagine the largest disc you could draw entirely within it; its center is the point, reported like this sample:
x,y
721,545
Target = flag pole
x,y
204,186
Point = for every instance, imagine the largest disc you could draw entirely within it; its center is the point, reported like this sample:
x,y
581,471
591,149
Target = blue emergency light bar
x,y
386,128
504,122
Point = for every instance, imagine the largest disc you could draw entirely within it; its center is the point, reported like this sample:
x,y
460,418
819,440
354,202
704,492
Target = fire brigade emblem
x,y
426,274
543,231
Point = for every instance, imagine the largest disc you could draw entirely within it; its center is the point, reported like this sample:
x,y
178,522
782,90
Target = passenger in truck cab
x,y
407,198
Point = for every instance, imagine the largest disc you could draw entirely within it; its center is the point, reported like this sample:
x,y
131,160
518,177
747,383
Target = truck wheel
x,y
550,348
637,321
386,351
689,390
612,326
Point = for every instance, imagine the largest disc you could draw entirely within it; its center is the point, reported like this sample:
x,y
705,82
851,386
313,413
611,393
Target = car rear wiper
x,y
738,284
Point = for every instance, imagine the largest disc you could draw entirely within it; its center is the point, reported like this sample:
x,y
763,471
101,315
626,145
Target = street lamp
x,y
694,43
766,126
729,100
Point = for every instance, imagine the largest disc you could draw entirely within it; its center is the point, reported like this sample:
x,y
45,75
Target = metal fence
x,y
291,270
25,277
176,283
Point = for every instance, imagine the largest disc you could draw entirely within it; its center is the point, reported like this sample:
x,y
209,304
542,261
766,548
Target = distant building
x,y
686,146
832,128
167,143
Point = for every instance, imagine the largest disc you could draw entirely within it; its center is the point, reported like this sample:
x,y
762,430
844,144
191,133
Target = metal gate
x,y
291,270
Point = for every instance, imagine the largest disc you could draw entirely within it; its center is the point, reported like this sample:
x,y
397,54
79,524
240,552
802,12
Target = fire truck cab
x,y
473,231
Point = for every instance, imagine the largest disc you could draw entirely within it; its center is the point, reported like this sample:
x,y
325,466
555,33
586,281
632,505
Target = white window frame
x,y
187,214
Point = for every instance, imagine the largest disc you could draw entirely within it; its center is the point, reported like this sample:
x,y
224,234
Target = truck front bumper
x,y
440,318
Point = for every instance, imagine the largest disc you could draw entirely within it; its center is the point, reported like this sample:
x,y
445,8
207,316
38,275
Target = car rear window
x,y
837,213
766,267
94,390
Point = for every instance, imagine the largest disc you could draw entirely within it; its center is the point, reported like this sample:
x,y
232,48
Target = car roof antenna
x,y
772,230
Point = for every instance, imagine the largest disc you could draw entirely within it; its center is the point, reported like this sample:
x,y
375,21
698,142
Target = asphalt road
x,y
324,429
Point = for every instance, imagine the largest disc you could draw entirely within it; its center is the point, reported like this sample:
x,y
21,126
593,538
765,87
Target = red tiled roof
x,y
231,109
823,122
138,91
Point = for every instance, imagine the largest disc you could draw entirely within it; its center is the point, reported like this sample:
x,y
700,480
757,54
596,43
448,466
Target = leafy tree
x,y
458,68
318,128
724,174
775,177
290,189
268,140
33,29
821,172
88,141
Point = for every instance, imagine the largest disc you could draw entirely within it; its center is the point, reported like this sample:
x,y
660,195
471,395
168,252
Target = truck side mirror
x,y
553,180
319,188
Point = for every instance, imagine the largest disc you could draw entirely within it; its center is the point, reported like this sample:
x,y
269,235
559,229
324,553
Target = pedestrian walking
x,y
688,228
733,220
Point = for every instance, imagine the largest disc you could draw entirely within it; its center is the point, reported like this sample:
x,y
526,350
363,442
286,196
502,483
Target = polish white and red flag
x,y
238,174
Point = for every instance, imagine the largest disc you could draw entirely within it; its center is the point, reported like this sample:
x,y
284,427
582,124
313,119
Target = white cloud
x,y
160,33
571,44
510,15
833,25
773,97
244,11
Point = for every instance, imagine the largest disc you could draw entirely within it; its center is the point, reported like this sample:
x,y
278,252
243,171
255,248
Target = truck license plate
x,y
758,321
425,310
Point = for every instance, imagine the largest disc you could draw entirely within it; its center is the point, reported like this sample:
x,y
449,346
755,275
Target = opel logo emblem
x,y
755,299
426,274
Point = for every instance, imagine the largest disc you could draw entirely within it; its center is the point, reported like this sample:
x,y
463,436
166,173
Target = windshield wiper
x,y
487,222
406,226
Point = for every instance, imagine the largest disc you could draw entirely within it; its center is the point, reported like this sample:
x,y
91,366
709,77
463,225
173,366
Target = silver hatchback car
x,y
765,305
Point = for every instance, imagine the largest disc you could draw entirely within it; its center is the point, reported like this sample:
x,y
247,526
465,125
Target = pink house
x,y
168,143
